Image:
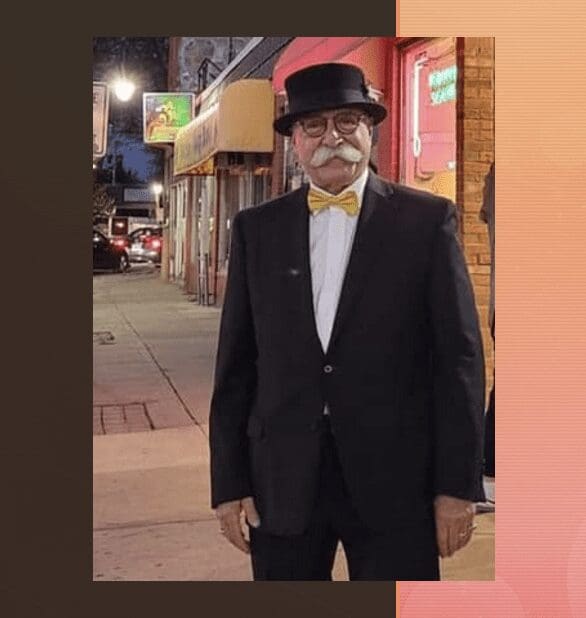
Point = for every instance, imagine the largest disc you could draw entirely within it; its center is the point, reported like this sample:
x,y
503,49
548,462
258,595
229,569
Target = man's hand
x,y
229,515
454,524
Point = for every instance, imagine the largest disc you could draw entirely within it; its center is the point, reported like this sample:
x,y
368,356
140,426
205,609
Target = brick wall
x,y
173,69
475,138
190,52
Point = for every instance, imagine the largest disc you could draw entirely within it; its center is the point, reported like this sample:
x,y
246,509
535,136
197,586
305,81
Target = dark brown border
x,y
46,181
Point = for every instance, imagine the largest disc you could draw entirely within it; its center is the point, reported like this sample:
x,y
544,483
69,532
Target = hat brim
x,y
284,124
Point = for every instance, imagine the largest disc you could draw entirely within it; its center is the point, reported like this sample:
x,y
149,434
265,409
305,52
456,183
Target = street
x,y
153,366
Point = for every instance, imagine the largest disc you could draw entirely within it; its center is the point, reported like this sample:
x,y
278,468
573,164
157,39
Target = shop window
x,y
428,144
205,193
261,187
235,158
232,194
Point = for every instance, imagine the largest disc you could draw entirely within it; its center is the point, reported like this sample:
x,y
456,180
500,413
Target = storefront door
x,y
428,132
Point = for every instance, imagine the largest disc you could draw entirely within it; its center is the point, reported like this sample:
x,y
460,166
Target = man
x,y
487,215
349,382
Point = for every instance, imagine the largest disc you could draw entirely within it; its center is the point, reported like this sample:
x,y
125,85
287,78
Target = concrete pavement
x,y
153,368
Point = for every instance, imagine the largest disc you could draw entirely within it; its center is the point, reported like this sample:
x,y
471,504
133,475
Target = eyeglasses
x,y
346,122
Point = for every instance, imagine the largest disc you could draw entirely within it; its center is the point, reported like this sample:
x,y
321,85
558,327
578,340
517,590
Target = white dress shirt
x,y
331,233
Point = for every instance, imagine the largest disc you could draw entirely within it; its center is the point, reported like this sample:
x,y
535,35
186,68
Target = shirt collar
x,y
358,186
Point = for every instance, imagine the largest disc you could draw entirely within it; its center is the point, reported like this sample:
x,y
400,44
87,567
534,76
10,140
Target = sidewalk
x,y
152,519
153,367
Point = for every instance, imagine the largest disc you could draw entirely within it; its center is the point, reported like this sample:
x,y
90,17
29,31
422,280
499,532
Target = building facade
x,y
438,137
220,163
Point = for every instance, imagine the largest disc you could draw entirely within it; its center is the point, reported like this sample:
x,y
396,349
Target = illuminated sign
x,y
197,143
164,113
241,121
100,128
138,195
442,85
428,149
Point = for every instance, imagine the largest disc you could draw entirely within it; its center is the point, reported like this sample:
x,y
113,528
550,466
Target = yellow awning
x,y
241,121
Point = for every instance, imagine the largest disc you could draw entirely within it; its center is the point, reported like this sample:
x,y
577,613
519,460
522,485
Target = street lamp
x,y
124,88
114,155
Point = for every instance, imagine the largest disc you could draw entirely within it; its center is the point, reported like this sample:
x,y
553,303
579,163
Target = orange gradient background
x,y
540,81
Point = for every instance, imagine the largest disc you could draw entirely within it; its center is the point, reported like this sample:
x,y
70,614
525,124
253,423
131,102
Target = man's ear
x,y
293,140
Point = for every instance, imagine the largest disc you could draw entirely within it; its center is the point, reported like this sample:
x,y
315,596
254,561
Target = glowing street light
x,y
124,89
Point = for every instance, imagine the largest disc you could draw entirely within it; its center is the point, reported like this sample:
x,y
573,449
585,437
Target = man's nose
x,y
331,137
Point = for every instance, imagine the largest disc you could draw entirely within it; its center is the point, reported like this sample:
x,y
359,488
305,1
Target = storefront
x,y
416,80
225,153
178,201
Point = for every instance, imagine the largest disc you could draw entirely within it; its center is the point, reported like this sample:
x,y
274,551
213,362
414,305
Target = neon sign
x,y
442,85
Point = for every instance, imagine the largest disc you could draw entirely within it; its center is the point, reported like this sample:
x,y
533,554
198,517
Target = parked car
x,y
110,253
144,245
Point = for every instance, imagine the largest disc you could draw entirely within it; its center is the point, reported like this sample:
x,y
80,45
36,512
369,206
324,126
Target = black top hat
x,y
326,86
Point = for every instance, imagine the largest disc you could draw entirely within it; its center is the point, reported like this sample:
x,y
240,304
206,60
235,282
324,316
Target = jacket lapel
x,y
298,235
376,214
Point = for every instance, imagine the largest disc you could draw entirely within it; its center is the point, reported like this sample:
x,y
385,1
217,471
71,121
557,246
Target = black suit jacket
x,y
403,376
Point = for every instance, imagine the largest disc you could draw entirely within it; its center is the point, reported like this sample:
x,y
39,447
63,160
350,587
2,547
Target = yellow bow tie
x,y
346,201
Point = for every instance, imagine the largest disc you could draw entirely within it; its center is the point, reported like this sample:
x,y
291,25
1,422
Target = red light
x,y
118,242
155,243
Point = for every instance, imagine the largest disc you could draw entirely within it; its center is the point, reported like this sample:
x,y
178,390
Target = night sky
x,y
144,60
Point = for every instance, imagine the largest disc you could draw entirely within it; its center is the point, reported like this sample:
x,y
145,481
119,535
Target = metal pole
x,y
115,148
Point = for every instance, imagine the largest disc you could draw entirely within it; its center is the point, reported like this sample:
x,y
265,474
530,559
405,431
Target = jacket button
x,y
328,369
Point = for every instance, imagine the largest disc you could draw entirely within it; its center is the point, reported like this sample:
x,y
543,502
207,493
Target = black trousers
x,y
408,552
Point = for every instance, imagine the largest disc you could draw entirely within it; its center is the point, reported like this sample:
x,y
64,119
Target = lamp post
x,y
123,87
115,143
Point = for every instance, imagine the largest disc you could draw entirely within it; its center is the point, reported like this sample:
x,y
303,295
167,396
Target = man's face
x,y
333,146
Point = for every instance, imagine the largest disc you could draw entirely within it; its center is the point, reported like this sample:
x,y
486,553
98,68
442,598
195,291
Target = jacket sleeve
x,y
458,368
234,381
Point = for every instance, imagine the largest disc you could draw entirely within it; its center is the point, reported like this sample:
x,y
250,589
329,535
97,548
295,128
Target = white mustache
x,y
346,152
